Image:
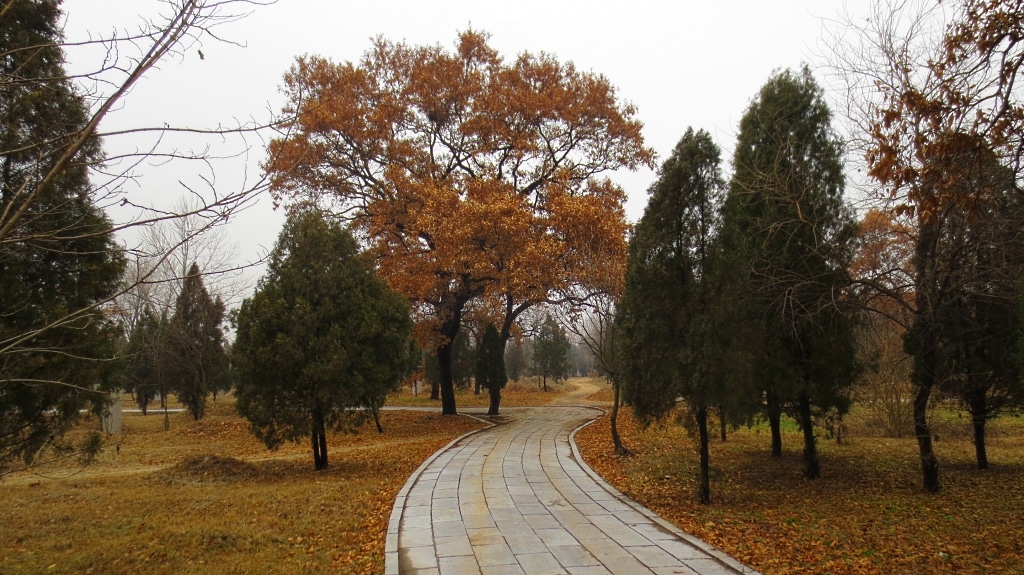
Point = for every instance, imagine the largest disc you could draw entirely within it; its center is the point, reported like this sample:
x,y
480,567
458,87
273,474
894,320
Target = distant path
x,y
515,499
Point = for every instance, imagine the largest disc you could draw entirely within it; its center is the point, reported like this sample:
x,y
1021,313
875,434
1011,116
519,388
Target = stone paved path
x,y
514,499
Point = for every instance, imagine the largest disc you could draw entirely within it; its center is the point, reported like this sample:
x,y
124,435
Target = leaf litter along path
x,y
515,499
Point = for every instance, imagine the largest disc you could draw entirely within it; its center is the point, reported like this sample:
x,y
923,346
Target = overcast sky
x,y
682,63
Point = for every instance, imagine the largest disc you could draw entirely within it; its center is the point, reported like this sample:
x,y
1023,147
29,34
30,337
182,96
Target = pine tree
x,y
672,336
551,351
142,372
58,258
196,362
322,341
786,228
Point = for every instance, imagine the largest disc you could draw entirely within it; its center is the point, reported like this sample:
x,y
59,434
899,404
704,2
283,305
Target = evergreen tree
x,y
196,362
787,228
982,256
670,337
551,351
490,367
515,360
142,373
322,341
58,258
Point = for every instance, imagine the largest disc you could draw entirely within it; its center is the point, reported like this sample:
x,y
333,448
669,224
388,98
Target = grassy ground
x,y
866,515
205,497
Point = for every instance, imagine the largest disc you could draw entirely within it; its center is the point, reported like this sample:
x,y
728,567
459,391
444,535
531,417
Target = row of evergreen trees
x,y
740,299
183,354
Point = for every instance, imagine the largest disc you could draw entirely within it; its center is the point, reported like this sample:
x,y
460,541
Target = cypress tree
x,y
58,258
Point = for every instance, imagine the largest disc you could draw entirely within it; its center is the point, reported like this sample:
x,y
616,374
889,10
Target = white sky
x,y
682,63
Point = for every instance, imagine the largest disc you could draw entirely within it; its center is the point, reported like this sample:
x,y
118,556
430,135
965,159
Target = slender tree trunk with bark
x,y
447,385
812,467
319,441
978,420
704,482
775,422
925,350
495,395
620,448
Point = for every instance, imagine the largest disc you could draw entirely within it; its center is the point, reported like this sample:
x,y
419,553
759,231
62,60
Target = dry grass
x,y
205,497
866,515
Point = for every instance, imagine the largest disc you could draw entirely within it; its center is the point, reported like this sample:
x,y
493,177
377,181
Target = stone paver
x,y
516,498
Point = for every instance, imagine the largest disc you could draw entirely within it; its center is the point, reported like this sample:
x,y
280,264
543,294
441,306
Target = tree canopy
x,y
58,258
468,176
321,342
786,223
195,361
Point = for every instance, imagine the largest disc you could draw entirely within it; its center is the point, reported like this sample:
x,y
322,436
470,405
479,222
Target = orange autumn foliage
x,y
467,175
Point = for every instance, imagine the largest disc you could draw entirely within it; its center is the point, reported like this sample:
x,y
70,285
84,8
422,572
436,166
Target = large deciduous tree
x,y
941,106
786,218
468,176
322,341
58,258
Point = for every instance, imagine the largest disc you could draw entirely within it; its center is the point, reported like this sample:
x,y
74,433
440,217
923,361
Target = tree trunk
x,y
775,423
925,348
978,420
495,393
376,419
620,448
929,463
435,391
444,365
319,441
812,468
544,381
721,424
704,482
449,330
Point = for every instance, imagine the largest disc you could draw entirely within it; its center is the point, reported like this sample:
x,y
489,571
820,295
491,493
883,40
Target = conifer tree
x,y
322,341
551,351
788,230
196,362
58,259
670,336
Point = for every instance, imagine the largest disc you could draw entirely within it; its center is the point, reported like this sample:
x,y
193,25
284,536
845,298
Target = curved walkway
x,y
517,499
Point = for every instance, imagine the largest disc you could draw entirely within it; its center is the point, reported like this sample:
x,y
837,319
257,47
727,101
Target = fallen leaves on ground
x,y
205,497
867,515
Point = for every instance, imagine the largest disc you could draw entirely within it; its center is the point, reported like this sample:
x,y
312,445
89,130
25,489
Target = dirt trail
x,y
584,389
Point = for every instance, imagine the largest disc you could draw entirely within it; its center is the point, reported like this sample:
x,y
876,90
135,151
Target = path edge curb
x,y
712,551
391,565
